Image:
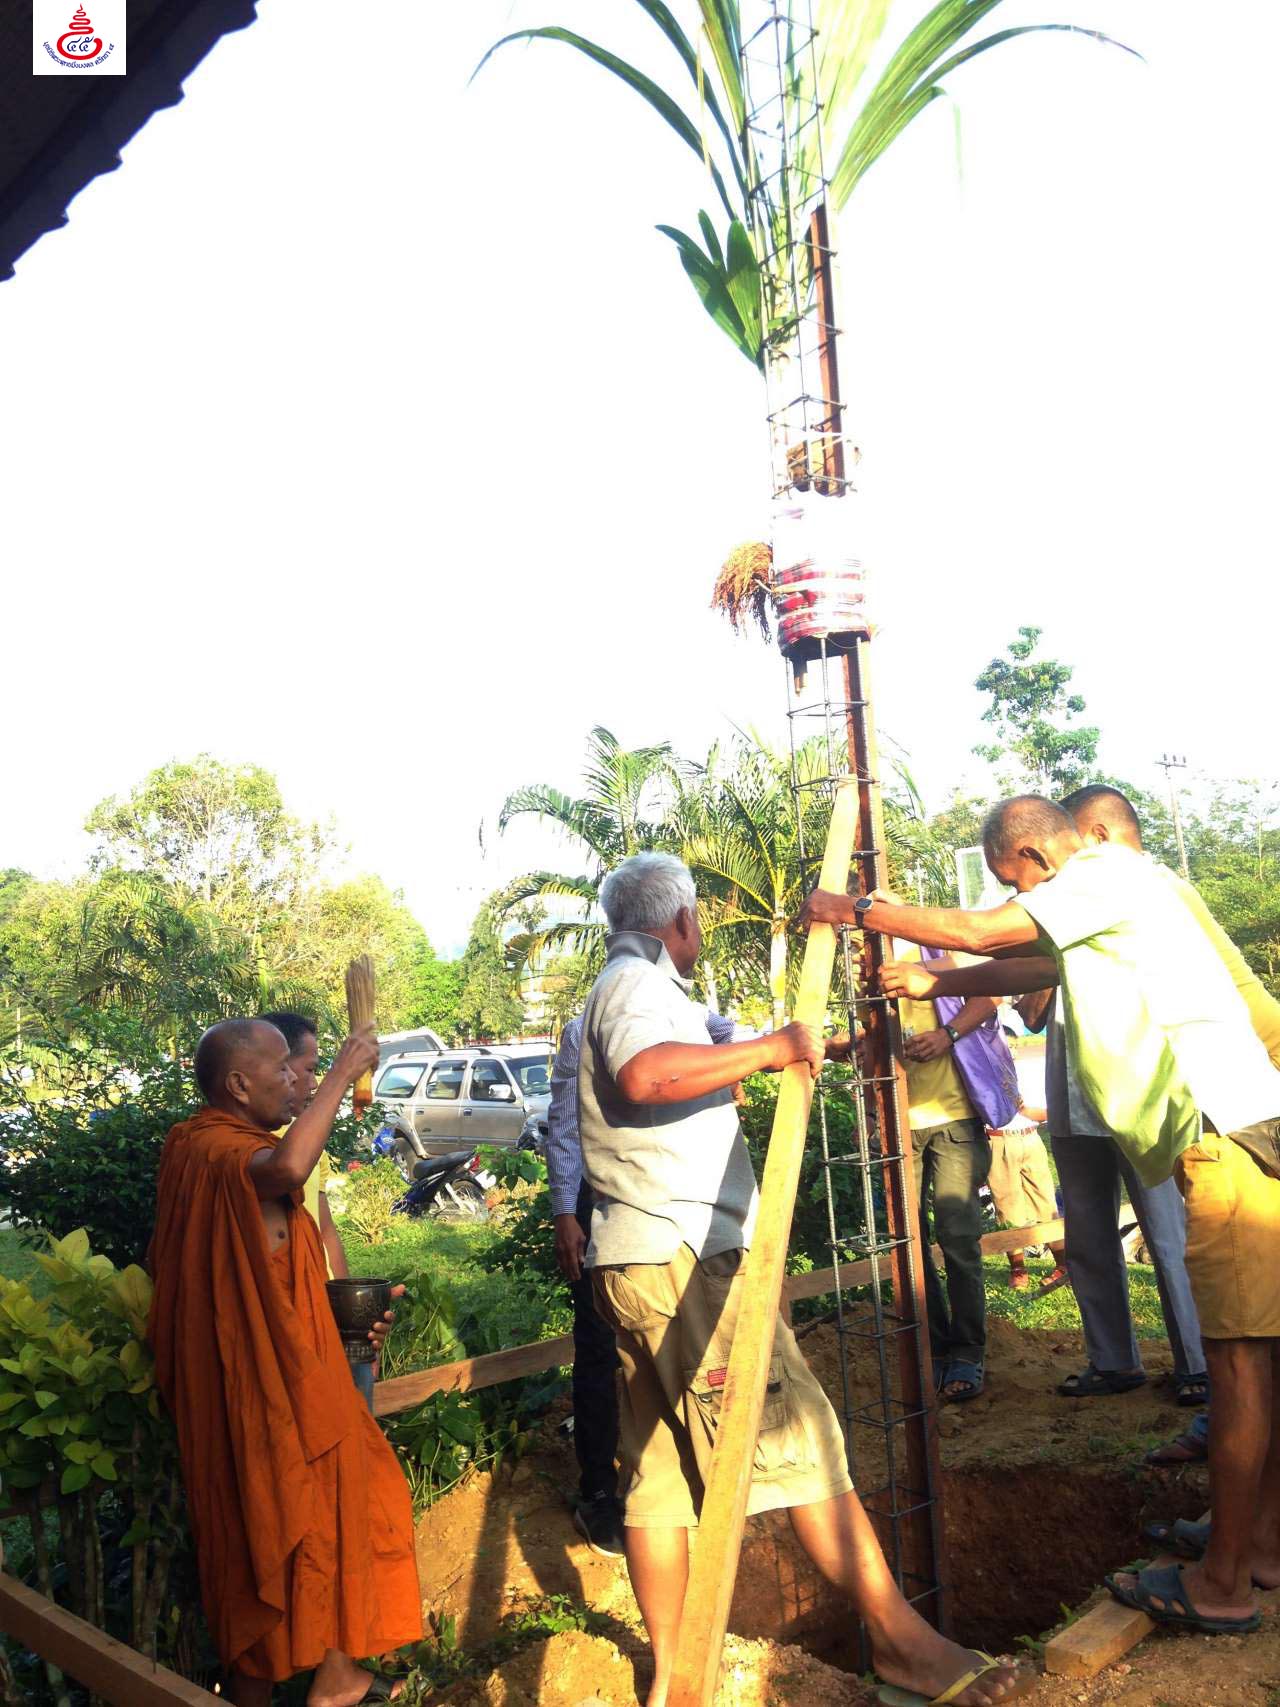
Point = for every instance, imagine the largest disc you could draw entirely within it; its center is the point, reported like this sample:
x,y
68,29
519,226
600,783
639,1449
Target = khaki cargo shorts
x,y
1020,1183
1233,1236
674,1324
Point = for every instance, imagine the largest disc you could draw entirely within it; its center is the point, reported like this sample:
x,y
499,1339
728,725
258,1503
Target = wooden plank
x,y
469,1373
714,1566
1105,1632
495,1366
104,1666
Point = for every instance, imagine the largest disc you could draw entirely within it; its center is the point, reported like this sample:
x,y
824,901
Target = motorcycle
x,y
444,1186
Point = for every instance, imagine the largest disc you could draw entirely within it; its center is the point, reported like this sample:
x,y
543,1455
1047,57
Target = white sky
x,y
362,426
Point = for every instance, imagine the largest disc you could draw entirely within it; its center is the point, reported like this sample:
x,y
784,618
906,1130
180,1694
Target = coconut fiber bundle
x,y
360,1013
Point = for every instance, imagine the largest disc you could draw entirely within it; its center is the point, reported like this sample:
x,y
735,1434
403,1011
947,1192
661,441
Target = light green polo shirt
x,y
1157,1032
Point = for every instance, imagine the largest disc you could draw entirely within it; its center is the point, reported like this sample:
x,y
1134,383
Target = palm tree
x,y
743,279
751,830
621,811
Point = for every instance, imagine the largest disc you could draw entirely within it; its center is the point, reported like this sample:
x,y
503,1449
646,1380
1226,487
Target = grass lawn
x,y
507,1310
17,1261
1059,1310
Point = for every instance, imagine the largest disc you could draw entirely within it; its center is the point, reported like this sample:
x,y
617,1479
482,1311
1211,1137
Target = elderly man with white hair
x,y
675,1202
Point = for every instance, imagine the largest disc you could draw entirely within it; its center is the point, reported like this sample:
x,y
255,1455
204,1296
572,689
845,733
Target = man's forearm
x,y
998,977
952,927
679,1072
973,1015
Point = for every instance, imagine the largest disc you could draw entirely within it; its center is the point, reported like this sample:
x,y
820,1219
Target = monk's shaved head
x,y
1028,820
224,1047
1099,803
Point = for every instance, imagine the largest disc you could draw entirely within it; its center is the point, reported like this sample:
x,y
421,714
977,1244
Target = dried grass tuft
x,y
742,589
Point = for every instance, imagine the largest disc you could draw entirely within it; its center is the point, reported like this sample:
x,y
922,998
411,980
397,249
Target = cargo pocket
x,y
776,1441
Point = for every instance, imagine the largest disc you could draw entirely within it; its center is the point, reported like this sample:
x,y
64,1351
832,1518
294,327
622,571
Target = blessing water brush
x,y
360,1013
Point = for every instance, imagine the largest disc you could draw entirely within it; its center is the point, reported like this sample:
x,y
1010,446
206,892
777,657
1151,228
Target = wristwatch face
x,y
952,1033
862,904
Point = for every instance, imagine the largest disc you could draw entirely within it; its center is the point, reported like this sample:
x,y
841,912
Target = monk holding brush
x,y
298,1507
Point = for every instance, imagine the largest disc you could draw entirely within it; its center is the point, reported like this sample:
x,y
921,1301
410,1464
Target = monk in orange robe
x,y
298,1507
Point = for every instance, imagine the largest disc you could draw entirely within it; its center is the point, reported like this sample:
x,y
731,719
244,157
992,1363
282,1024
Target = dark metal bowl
x,y
357,1305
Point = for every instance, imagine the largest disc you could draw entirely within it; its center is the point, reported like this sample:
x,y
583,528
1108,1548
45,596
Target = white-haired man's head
x,y
654,893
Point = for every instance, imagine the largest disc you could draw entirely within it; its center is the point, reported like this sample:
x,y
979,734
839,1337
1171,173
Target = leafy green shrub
x,y
82,1421
810,1227
370,1194
423,1332
93,1166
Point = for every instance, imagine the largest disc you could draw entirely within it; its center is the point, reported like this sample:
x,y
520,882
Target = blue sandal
x,y
970,1374
1164,1583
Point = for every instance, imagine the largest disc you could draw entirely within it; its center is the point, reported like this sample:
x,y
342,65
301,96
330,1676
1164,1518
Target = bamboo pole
x,y
360,1006
714,1566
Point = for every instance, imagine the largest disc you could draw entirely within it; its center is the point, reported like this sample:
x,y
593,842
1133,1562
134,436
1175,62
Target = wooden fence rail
x,y
110,1669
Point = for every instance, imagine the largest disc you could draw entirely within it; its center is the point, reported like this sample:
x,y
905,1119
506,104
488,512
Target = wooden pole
x,y
724,1506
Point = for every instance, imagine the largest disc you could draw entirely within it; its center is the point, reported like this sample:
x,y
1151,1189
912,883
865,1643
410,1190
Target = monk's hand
x,y
824,907
797,1042
907,978
379,1331
571,1245
927,1045
839,1047
359,1054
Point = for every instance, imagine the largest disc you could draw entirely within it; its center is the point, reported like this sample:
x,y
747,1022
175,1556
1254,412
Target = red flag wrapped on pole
x,y
360,1001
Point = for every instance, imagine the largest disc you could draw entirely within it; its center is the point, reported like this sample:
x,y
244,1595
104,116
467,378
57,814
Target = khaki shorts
x,y
1020,1183
1233,1237
674,1324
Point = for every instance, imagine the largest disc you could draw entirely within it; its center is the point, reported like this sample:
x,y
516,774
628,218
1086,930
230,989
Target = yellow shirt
x,y
317,1179
1264,1009
934,1088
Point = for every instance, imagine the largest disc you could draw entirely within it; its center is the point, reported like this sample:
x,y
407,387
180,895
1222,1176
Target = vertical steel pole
x,y
918,1523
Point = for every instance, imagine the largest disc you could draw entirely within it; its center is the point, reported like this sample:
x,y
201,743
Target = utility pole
x,y
1170,762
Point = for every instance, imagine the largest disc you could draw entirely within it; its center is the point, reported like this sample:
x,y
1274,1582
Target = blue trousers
x,y
1090,1173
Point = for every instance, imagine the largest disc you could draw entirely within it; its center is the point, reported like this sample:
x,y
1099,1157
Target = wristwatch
x,y
952,1033
861,907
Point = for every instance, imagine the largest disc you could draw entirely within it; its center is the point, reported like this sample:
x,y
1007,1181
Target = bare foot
x,y
935,1667
340,1682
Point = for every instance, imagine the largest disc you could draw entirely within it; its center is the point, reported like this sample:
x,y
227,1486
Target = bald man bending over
x,y
298,1506
1163,1046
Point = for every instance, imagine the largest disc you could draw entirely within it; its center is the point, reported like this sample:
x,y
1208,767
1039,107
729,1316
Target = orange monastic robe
x,y
299,1509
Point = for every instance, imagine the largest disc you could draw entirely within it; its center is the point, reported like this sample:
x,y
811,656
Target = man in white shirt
x,y
675,1204
1163,1046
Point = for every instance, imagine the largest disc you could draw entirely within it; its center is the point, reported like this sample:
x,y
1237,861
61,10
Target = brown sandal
x,y
1183,1449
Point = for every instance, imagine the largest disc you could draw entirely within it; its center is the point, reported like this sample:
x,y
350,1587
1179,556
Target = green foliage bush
x,y
82,1423
79,1163
369,1196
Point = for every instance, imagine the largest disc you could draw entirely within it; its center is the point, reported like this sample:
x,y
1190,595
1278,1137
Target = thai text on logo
x,y
78,45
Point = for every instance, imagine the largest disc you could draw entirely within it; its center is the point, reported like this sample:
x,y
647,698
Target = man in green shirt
x,y
1163,1046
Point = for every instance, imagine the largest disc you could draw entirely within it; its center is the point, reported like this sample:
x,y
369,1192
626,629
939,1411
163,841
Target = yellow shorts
x,y
674,1324
1233,1238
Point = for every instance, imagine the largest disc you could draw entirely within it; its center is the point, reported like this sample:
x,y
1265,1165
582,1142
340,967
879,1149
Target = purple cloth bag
x,y
983,1061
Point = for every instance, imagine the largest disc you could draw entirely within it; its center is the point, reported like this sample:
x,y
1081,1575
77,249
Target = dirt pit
x,y
1042,1496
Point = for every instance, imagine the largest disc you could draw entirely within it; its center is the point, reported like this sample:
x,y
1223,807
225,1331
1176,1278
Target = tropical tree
x,y
751,828
619,812
1037,747
741,268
